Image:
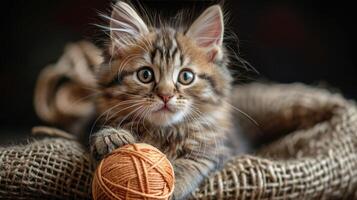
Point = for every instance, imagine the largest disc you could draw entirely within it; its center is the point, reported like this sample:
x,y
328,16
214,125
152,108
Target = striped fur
x,y
193,133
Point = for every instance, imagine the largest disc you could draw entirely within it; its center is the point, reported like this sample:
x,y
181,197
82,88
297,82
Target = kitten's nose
x,y
165,98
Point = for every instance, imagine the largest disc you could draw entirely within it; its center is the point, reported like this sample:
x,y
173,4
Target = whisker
x,y
97,119
106,112
198,115
244,114
138,113
211,126
83,98
126,116
145,118
133,102
141,118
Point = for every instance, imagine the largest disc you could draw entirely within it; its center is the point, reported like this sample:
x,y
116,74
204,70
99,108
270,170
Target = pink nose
x,y
165,98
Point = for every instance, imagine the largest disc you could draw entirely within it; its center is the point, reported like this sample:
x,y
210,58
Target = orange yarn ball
x,y
134,171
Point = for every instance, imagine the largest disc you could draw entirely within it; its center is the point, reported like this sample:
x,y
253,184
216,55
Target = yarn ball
x,y
134,171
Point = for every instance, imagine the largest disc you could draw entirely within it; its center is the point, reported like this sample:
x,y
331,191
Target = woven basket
x,y
315,156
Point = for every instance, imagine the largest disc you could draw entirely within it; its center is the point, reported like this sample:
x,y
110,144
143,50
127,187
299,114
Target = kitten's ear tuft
x,y
126,23
208,28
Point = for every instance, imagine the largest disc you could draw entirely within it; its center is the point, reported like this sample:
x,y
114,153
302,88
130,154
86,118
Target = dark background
x,y
286,41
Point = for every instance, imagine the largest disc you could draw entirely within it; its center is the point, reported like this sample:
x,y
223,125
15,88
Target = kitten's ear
x,y
208,30
125,23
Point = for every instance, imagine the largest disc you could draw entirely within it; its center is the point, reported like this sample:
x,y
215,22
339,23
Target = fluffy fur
x,y
191,122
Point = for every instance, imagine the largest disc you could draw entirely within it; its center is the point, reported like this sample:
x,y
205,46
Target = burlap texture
x,y
315,157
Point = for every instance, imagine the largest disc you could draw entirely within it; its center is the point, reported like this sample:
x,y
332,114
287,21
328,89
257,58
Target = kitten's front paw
x,y
108,139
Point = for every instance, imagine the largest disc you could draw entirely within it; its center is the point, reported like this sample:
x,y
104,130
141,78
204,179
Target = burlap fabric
x,y
309,136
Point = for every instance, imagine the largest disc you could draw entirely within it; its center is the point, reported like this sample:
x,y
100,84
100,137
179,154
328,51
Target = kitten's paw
x,y
108,139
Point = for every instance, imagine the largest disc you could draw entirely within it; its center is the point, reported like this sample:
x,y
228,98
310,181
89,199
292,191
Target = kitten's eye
x,y
145,75
186,77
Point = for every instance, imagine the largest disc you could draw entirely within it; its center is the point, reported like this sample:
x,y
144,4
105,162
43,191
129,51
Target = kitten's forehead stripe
x,y
173,46
180,50
167,47
153,55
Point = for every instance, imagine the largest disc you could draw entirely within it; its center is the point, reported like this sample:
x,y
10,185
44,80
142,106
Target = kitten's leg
x,y
108,139
189,174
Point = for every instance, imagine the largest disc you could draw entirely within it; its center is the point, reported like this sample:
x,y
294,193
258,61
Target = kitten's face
x,y
162,76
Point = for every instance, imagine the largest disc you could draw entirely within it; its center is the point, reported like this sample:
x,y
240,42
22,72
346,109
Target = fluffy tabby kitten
x,y
168,87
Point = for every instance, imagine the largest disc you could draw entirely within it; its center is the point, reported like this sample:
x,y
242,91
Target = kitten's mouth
x,y
164,108
165,115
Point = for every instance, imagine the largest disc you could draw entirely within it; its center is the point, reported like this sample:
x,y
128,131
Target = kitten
x,y
168,87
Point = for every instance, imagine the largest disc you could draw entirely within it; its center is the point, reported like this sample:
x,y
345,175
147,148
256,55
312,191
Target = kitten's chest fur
x,y
169,140
187,138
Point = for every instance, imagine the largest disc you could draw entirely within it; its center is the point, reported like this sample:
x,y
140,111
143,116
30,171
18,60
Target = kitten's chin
x,y
166,117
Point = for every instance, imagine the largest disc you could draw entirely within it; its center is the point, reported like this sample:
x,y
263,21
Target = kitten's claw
x,y
108,139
